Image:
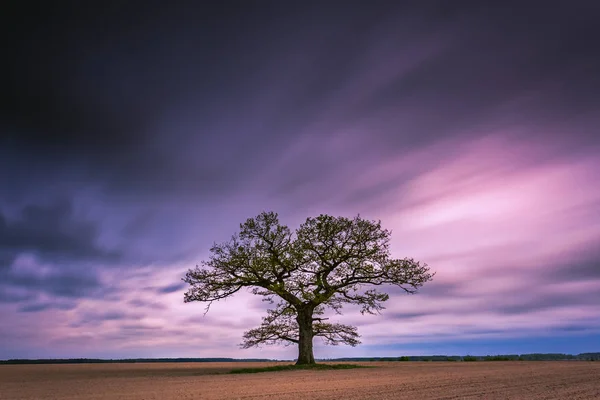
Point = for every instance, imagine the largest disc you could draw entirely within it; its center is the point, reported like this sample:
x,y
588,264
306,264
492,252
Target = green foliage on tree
x,y
326,263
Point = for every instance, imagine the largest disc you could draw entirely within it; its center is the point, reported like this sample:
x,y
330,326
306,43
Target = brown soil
x,y
392,380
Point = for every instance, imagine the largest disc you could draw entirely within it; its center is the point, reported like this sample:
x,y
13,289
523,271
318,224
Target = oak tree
x,y
326,263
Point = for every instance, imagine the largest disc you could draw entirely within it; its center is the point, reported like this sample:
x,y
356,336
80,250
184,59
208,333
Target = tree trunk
x,y
305,342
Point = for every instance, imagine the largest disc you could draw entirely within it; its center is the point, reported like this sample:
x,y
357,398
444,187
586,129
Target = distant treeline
x,y
130,360
499,357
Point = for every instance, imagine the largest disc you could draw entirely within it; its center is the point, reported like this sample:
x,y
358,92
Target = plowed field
x,y
391,380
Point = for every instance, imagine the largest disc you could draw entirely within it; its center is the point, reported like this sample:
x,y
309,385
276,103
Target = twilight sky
x,y
132,138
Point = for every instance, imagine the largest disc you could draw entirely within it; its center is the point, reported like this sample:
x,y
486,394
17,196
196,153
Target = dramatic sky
x,y
135,135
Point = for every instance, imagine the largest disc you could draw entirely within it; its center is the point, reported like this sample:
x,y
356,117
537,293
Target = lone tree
x,y
325,264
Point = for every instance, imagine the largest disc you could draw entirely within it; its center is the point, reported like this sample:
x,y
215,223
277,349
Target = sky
x,y
134,137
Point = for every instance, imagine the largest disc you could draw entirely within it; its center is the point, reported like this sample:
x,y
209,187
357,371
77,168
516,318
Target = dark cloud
x,y
544,301
138,303
152,105
406,315
98,317
69,283
11,296
108,315
435,289
581,267
175,287
147,304
578,328
584,270
139,327
63,250
580,264
53,233
102,115
50,249
36,307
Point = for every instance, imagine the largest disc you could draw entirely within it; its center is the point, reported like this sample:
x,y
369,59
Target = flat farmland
x,y
390,380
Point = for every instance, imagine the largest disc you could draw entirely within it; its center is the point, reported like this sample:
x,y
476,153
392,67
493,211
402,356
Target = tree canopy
x,y
326,263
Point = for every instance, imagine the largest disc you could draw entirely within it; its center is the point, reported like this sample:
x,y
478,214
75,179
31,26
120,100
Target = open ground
x,y
391,380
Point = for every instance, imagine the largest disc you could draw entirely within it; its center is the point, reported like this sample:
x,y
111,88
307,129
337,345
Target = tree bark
x,y
305,336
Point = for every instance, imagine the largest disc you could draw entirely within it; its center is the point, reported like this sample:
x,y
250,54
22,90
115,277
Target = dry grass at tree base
x,y
391,380
293,367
